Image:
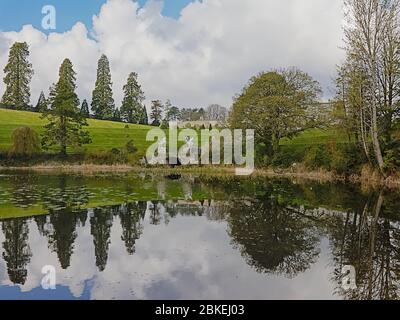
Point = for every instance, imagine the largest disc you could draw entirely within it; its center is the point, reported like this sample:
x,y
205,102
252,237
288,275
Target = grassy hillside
x,y
105,134
316,136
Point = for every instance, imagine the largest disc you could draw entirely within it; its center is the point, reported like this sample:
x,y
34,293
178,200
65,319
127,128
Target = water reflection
x,y
371,244
273,238
17,253
131,216
276,229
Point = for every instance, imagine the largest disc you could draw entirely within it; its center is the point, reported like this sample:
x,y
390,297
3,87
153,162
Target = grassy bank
x,y
105,134
368,178
315,154
108,134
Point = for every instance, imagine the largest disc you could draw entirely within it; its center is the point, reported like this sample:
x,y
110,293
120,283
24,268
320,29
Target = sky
x,y
192,52
15,14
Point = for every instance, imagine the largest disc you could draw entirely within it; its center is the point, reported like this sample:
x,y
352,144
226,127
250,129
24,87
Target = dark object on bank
x,y
174,176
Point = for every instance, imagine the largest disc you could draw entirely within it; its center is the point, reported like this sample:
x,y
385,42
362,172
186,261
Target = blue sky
x,y
216,47
14,14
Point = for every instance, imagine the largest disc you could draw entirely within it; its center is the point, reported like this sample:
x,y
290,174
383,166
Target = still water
x,y
126,236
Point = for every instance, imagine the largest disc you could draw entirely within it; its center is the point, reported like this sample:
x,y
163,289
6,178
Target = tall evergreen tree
x,y
102,101
145,118
85,109
65,119
41,105
18,74
156,112
174,114
132,108
168,106
117,115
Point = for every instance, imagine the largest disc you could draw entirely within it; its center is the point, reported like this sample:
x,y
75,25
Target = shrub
x,y
287,156
392,157
130,147
164,125
26,142
346,158
115,151
317,157
113,156
261,155
340,158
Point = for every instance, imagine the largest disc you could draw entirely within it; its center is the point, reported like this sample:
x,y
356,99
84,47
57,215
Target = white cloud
x,y
204,57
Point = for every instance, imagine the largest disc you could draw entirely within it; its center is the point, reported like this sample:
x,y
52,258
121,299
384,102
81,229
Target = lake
x,y
145,236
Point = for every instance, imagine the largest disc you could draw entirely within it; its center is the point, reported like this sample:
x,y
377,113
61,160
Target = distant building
x,y
200,124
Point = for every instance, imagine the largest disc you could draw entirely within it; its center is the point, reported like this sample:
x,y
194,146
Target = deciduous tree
x,y
277,105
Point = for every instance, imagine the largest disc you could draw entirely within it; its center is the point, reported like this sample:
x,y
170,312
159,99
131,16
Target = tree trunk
x,y
374,126
275,144
363,135
63,138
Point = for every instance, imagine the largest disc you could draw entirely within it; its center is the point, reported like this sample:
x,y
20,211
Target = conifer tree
x,y
168,106
18,74
117,115
102,101
65,119
132,108
144,119
85,109
41,105
156,112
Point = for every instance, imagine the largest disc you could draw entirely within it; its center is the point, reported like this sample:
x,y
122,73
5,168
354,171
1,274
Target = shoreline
x,y
367,180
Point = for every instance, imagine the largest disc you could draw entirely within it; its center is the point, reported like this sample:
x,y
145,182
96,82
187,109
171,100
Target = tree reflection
x,y
131,216
63,204
17,252
100,228
273,238
41,223
155,212
369,241
63,235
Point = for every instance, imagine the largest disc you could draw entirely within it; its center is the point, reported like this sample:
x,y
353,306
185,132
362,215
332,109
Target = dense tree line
x,y
19,72
368,99
281,104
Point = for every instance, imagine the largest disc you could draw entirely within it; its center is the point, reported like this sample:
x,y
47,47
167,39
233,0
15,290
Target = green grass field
x,y
105,134
316,136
